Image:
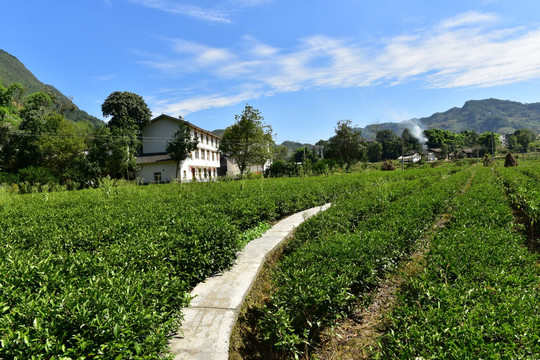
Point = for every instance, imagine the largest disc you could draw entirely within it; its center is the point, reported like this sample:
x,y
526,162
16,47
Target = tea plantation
x,y
104,273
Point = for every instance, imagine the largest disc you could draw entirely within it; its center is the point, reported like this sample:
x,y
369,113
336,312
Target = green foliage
x,y
127,110
488,142
495,115
248,140
281,168
181,145
521,139
347,145
390,143
104,273
337,256
478,295
12,71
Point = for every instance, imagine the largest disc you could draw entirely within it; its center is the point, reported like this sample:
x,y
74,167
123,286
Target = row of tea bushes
x,y
523,190
104,273
337,256
479,294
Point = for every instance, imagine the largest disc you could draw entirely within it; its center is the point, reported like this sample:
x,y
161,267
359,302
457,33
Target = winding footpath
x,y
209,320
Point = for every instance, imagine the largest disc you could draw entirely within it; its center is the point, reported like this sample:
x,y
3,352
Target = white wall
x,y
167,170
159,132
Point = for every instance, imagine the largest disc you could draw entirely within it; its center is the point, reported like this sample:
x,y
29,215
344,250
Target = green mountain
x,y
293,145
13,71
500,116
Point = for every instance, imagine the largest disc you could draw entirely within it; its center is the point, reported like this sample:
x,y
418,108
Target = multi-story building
x,y
157,166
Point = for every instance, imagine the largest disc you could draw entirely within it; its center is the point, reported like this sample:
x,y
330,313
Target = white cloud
x,y
464,51
220,13
102,78
190,105
469,18
213,15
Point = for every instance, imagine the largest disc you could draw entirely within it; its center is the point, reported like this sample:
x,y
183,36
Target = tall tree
x,y
249,140
391,144
488,142
524,137
181,145
374,151
129,115
347,145
61,149
410,142
127,109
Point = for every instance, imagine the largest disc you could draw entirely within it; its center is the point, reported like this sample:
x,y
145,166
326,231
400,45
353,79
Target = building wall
x,y
204,161
166,169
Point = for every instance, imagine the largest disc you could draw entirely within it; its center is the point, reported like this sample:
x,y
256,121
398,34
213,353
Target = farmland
x,y
104,273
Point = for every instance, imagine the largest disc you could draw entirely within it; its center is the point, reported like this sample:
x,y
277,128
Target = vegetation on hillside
x,y
492,115
13,71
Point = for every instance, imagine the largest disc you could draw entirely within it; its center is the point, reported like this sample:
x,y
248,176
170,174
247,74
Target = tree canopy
x,y
347,145
181,145
249,140
127,110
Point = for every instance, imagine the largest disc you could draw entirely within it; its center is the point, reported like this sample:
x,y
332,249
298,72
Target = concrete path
x,y
209,320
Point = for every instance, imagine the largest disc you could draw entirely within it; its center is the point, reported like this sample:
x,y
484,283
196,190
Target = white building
x,y
157,166
414,158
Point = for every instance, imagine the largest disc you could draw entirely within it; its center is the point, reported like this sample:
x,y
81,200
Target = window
x,y
208,154
197,154
207,139
157,177
202,154
213,159
185,174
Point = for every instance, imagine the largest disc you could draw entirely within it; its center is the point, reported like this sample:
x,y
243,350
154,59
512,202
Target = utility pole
x,y
492,146
402,151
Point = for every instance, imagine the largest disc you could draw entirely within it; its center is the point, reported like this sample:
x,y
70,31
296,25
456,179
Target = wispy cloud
x,y
219,13
193,104
102,78
464,51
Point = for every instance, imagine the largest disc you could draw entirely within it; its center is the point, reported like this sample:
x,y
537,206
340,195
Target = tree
x,y
410,143
488,142
304,153
127,109
61,149
391,144
10,98
181,145
347,145
281,152
374,151
129,115
248,140
524,137
470,138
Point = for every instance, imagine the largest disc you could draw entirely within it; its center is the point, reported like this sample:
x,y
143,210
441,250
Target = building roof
x,y
153,158
163,116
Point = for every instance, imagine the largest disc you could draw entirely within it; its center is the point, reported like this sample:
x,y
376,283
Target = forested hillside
x,y
500,116
13,71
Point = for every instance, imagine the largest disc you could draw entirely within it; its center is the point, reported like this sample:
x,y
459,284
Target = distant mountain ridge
x,y
13,71
500,116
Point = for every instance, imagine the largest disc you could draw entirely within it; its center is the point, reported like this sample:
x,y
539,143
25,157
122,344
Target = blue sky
x,y
304,64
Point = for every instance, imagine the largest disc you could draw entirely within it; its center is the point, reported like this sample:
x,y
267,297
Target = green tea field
x,y
104,273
